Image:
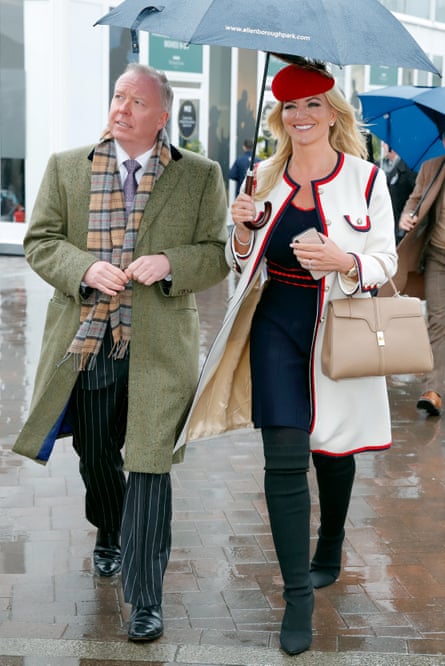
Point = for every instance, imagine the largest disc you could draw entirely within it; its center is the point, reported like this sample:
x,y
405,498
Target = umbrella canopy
x,y
335,31
411,119
340,32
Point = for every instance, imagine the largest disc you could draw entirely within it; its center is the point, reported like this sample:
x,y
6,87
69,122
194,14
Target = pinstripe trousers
x,y
146,537
141,507
99,419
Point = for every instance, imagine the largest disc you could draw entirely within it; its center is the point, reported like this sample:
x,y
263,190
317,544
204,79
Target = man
x,y
120,352
429,192
241,164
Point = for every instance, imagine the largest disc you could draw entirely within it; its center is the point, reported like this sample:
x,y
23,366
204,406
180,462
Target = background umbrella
x,y
410,119
335,31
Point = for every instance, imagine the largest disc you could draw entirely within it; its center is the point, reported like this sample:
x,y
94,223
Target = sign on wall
x,y
173,55
187,119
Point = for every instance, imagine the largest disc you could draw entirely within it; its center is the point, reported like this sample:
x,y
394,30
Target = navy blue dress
x,y
283,329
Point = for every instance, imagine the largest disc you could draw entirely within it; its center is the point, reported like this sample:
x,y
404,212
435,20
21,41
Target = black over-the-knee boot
x,y
286,453
335,477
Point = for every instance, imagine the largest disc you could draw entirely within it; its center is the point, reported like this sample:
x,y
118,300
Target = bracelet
x,y
240,242
352,273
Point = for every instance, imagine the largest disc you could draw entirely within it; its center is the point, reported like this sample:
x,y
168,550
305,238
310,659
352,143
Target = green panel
x,y
172,55
381,75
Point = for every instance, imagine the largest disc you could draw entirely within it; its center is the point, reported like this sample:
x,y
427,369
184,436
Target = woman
x,y
265,363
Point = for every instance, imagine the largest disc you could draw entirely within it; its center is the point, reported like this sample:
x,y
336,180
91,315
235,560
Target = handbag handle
x,y
390,280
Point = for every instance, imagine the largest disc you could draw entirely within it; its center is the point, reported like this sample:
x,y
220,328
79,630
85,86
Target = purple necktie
x,y
130,184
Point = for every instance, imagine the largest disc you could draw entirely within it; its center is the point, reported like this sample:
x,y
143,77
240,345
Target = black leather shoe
x,y
107,553
145,623
431,402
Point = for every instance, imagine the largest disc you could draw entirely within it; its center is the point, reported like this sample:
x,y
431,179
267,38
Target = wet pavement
x,y
222,601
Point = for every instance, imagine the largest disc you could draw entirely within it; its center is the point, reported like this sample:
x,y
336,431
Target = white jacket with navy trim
x,y
348,415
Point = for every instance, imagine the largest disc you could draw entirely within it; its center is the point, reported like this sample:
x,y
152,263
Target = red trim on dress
x,y
357,227
370,184
363,449
321,292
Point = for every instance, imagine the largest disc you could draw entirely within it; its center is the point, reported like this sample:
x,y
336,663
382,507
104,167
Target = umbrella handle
x,y
264,216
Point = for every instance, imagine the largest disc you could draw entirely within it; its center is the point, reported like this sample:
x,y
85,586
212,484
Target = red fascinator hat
x,y
294,82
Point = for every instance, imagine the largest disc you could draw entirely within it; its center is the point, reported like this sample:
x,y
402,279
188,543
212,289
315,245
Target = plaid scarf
x,y
112,238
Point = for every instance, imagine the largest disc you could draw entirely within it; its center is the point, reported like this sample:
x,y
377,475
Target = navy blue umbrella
x,y
411,119
336,31
341,32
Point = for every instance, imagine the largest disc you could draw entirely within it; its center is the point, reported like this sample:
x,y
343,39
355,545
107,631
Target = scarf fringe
x,y
87,361
81,361
119,349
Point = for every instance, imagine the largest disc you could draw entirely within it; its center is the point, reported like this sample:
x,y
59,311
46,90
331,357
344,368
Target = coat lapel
x,y
169,182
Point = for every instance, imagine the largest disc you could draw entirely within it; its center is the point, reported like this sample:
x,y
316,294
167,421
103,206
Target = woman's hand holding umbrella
x,y
243,210
262,219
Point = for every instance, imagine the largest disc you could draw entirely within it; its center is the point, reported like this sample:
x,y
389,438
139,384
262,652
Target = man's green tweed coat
x,y
185,218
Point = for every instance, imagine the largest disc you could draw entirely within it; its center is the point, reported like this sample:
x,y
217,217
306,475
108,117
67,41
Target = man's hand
x,y
107,278
148,269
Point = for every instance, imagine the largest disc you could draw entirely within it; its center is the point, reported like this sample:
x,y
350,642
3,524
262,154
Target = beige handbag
x,y
366,337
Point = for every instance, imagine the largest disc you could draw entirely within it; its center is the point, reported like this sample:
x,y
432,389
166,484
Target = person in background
x,y
126,231
241,164
401,180
369,145
8,201
18,214
429,192
265,366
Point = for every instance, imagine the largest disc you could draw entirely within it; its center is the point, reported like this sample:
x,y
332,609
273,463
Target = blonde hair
x,y
345,136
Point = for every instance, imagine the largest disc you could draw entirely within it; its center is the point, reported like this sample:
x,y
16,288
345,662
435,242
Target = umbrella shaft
x,y
258,117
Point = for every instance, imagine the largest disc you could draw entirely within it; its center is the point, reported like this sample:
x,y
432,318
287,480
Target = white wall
x,y
67,86
430,39
38,25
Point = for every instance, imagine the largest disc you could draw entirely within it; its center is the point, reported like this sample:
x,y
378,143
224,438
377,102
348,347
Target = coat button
x,y
328,222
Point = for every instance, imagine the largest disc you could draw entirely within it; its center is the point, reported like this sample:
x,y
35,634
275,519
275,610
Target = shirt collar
x,y
143,159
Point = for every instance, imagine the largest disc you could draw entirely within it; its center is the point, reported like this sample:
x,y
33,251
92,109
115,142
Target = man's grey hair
x,y
156,75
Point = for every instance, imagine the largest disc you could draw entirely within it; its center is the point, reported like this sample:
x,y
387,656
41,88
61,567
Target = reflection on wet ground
x,y
223,600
